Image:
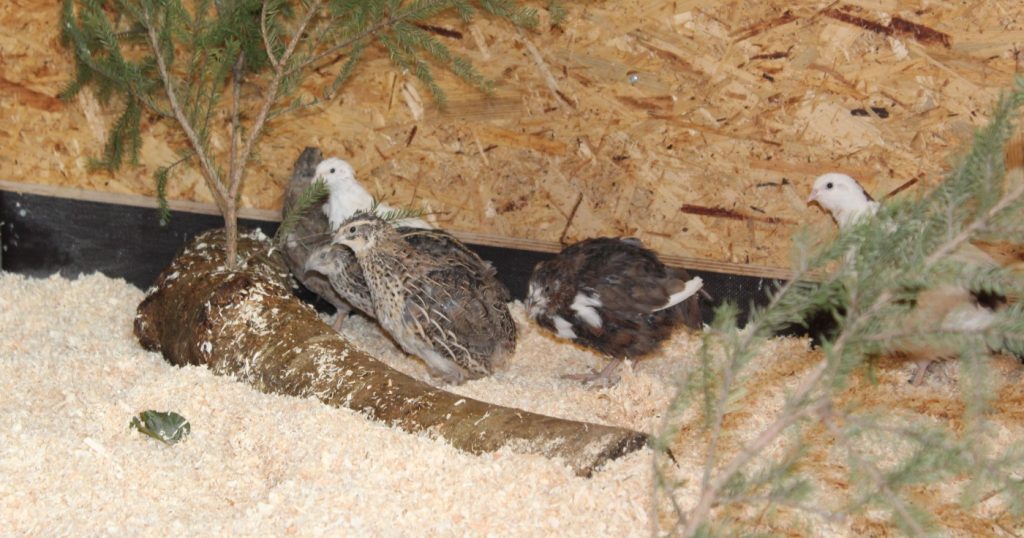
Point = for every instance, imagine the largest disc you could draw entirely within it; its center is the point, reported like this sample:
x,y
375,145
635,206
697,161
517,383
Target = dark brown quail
x,y
440,302
614,296
311,232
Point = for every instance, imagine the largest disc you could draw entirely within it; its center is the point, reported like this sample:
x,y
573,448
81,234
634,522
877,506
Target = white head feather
x,y
843,197
347,195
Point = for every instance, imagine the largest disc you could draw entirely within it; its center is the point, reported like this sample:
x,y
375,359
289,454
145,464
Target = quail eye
x,y
352,230
332,171
827,185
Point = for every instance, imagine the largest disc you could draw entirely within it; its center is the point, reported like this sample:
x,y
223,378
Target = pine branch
x,y
266,37
236,99
314,193
223,46
876,477
901,251
557,11
393,215
213,181
87,68
162,175
331,51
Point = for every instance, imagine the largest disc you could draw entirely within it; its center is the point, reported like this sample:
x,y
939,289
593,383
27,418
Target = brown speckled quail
x,y
339,265
614,296
437,303
331,271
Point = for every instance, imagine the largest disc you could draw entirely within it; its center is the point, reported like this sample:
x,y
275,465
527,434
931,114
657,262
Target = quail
x,y
945,307
310,234
347,195
331,271
440,303
615,296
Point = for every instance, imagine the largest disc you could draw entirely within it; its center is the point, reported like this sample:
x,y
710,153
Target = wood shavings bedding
x,y
73,375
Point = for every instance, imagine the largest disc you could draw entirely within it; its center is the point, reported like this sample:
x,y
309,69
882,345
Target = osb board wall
x,y
694,125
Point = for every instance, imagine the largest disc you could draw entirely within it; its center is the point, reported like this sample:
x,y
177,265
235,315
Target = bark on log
x,y
248,324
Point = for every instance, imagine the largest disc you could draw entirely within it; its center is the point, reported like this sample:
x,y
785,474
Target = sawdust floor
x,y
73,375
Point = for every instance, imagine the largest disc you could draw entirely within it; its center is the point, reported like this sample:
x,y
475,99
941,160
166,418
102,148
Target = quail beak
x,y
534,305
813,197
532,311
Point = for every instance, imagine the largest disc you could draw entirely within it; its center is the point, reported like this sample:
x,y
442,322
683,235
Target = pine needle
x,y
904,249
314,193
393,215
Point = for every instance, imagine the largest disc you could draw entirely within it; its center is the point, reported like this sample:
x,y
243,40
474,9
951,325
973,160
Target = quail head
x,y
614,296
438,304
843,198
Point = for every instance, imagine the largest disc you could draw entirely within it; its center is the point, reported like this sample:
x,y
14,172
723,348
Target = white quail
x,y
310,234
946,307
347,195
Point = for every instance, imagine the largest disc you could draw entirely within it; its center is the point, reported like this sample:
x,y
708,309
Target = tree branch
x,y
269,97
341,46
896,335
788,417
975,226
266,38
708,498
895,500
756,499
208,169
752,331
86,57
236,120
710,489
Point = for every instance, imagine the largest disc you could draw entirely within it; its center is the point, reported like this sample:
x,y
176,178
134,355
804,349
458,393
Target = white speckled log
x,y
247,323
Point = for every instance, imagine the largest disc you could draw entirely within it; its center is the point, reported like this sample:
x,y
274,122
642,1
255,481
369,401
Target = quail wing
x,y
448,310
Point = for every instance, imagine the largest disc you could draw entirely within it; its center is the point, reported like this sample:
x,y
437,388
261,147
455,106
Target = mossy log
x,y
247,323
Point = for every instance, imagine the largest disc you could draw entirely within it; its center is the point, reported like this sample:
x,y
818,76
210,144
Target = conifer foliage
x,y
874,272
189,61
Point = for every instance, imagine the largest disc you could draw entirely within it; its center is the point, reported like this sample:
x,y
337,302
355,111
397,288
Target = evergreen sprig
x,y
874,273
313,194
393,215
188,61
